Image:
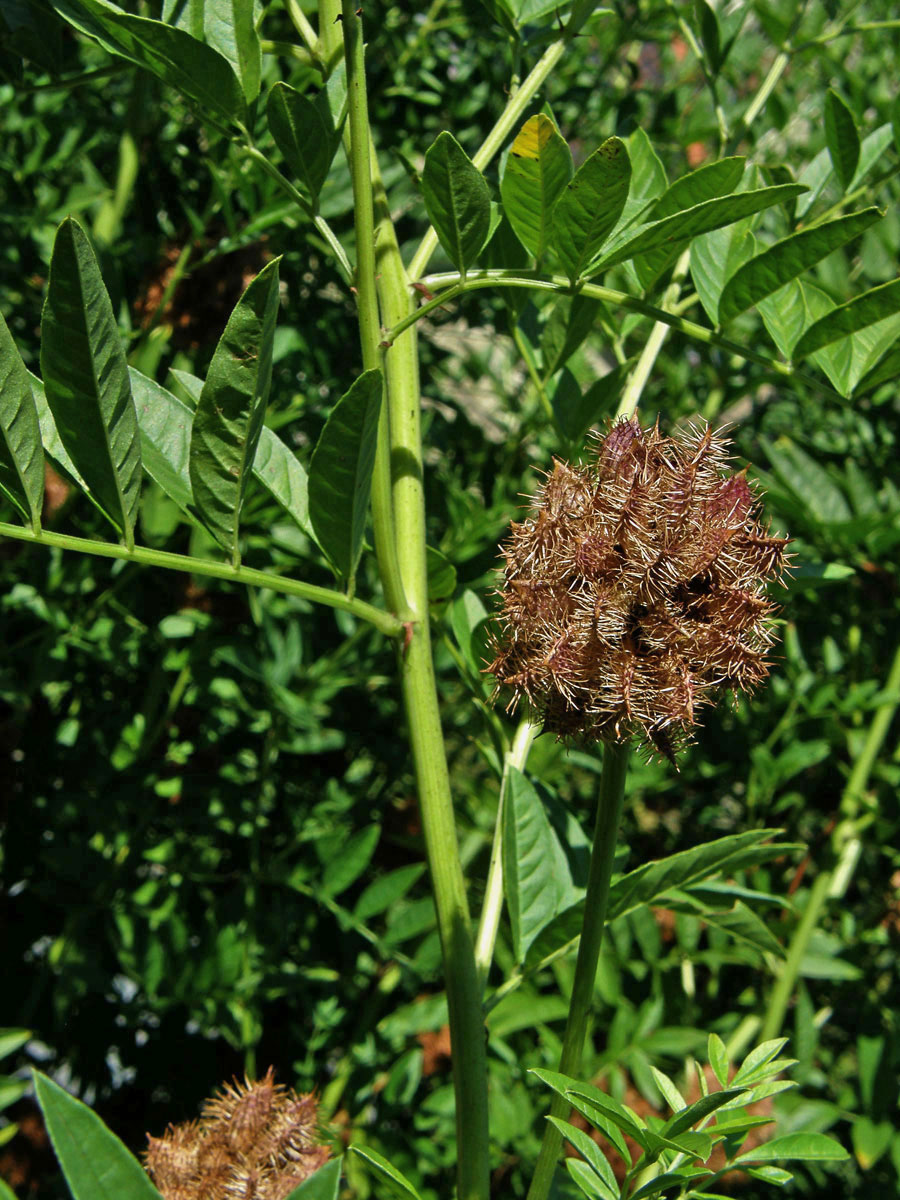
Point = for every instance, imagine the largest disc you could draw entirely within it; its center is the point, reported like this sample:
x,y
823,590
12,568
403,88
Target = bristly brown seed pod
x,y
254,1141
636,590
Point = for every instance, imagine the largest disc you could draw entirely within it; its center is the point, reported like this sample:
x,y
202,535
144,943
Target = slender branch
x,y
637,380
478,280
302,25
881,723
516,756
305,207
385,622
606,831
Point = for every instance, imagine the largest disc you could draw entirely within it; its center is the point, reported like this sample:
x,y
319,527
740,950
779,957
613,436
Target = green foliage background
x,y
212,853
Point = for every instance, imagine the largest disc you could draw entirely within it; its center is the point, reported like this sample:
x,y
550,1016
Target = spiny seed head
x,y
255,1141
636,590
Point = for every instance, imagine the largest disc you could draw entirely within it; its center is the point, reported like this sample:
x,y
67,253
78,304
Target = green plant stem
x,y
637,380
305,207
831,883
385,622
401,363
516,756
367,299
477,280
302,25
878,729
609,815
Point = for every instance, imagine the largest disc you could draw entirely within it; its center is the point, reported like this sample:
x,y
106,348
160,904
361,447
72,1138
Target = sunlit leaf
x,y
395,1179
591,204
872,306
537,170
809,1147
457,200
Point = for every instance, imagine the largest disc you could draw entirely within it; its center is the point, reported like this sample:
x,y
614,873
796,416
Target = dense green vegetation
x,y
213,852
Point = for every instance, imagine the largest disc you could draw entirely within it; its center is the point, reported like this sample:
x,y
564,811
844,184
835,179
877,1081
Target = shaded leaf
x,y
591,1153
96,1164
340,474
86,379
350,860
537,170
787,259
841,138
587,1179
229,418
587,211
302,135
457,200
165,424
742,923
576,413
192,67
21,454
53,447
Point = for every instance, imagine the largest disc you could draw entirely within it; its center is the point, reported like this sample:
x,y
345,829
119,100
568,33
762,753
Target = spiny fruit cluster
x,y
256,1141
636,590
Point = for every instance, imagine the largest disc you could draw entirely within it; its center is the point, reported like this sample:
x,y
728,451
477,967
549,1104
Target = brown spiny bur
x,y
636,590
254,1141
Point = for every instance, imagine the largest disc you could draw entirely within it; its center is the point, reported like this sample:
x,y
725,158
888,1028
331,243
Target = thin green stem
x,y
385,622
790,969
878,729
478,280
609,815
367,298
846,31
759,101
305,207
516,757
637,380
302,25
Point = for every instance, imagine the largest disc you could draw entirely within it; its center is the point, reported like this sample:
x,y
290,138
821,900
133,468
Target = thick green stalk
x,y
385,622
416,666
606,831
367,298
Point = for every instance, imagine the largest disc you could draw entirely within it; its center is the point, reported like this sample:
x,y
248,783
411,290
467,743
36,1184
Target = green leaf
x,y
384,891
717,255
86,379
96,1164
325,1184
226,25
820,574
841,138
303,135
340,474
617,1120
709,33
534,874
587,211
165,424
714,179
872,306
809,1147
787,259
275,466
744,925
758,1063
669,1179
648,884
395,1179
192,67
870,1140
457,200
53,447
718,1058
21,453
686,1117
441,578
710,214
350,860
669,1091
886,370
13,1039
591,1153
229,418
587,1179
810,482
576,413
537,170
